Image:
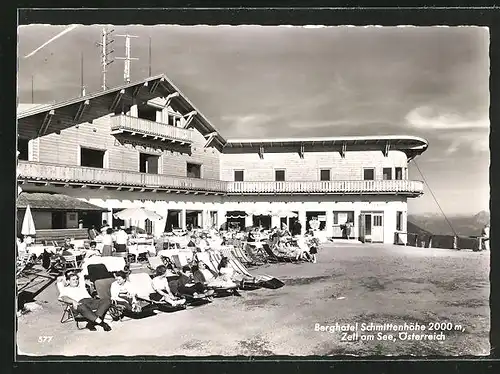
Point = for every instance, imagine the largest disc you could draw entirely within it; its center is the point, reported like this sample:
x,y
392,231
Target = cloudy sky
x,y
293,81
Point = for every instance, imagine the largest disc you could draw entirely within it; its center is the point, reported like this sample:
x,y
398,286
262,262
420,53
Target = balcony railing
x,y
140,126
109,177
43,172
335,187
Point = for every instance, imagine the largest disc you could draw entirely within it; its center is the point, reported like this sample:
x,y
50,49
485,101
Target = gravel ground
x,y
351,283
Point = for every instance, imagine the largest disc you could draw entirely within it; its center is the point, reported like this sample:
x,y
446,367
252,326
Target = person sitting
x,y
92,251
251,237
73,293
203,274
162,288
188,286
122,292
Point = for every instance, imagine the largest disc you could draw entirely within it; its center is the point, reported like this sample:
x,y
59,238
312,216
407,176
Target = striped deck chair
x,y
244,258
257,255
277,258
253,281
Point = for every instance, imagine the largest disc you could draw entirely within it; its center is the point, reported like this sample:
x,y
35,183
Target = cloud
x,y
251,125
473,141
430,118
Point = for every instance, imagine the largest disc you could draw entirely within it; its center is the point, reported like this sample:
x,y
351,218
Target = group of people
x,y
195,281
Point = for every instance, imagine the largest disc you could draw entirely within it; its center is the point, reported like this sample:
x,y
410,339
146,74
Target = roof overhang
x,y
46,119
52,202
411,145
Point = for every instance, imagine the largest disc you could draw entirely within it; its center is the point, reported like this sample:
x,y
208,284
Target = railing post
x,y
455,239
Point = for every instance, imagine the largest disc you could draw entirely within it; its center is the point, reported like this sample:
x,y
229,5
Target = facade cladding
x,y
145,144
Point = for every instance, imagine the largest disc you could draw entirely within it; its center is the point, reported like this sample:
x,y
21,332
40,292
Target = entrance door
x,y
362,221
378,228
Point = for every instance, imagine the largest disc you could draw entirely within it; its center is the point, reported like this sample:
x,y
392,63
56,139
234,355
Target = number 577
x,y
44,339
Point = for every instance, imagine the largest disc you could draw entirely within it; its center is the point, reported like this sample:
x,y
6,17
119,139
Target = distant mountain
x,y
437,224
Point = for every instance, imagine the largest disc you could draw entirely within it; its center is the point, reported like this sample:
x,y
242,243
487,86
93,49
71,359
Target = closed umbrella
x,y
28,228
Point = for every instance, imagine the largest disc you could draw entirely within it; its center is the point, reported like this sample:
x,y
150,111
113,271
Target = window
x,y
93,158
399,221
22,147
148,163
399,173
193,170
324,174
369,174
377,221
387,173
279,175
146,112
238,175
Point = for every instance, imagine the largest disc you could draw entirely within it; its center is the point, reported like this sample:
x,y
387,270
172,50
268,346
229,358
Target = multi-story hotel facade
x,y
145,144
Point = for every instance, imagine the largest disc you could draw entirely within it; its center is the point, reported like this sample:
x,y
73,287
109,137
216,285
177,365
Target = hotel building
x,y
145,144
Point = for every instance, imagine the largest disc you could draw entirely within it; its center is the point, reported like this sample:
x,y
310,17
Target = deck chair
x,y
277,258
98,271
154,262
257,255
69,313
25,262
219,291
143,285
254,281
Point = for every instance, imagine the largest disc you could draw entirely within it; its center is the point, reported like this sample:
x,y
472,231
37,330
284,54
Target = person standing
x,y
348,229
297,228
93,233
486,237
107,241
121,240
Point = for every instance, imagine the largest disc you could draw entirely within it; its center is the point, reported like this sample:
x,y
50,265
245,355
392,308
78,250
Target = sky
x,y
255,81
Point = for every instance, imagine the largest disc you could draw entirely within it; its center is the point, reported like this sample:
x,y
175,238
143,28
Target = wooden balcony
x,y
403,187
144,129
78,176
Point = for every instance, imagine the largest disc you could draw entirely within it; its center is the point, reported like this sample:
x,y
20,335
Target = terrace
x,y
78,176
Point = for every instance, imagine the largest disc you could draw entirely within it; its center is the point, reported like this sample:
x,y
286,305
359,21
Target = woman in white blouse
x,y
122,291
107,241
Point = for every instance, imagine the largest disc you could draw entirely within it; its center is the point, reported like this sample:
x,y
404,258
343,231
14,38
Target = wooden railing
x,y
79,174
347,187
123,122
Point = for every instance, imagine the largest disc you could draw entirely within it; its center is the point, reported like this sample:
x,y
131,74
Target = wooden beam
x,y
387,147
210,139
189,117
169,98
155,85
80,110
116,100
138,89
261,152
343,150
301,151
46,122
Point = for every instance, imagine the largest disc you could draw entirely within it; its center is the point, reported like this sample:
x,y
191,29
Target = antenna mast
x,y
149,71
127,58
81,78
106,41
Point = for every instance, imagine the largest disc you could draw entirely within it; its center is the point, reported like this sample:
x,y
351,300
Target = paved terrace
x,y
350,283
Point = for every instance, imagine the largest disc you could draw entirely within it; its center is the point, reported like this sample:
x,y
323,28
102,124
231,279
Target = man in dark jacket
x,y
297,228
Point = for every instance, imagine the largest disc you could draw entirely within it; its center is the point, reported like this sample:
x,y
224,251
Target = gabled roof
x,y
142,90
